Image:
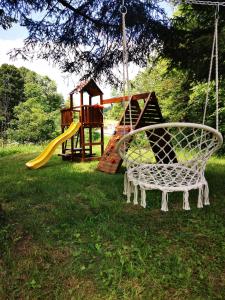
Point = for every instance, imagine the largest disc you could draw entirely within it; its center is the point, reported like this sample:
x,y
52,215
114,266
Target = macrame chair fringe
x,y
125,184
128,191
206,194
143,198
135,194
186,205
164,206
170,157
131,186
200,197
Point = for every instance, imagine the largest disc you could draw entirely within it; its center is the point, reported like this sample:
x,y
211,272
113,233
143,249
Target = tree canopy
x,y
84,37
5,20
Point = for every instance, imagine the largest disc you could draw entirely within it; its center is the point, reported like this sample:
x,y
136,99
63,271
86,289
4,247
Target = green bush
x,y
31,123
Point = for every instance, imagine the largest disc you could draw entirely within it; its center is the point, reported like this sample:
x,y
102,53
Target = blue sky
x,y
14,37
13,33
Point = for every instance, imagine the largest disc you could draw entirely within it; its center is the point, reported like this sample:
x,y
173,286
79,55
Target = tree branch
x,y
79,12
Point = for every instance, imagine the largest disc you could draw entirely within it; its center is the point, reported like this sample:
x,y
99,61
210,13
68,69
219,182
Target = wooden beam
x,y
101,98
125,98
71,101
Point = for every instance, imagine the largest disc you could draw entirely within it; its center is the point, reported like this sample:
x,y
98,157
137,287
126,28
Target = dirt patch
x,y
60,255
131,208
43,207
218,283
85,288
23,246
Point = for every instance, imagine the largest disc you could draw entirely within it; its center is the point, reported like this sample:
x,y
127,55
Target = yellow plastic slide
x,y
43,158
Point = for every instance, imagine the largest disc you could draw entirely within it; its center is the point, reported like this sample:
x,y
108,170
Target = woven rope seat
x,y
168,157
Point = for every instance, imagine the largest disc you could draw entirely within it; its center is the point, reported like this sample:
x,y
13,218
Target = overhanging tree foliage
x,y
190,42
5,20
84,37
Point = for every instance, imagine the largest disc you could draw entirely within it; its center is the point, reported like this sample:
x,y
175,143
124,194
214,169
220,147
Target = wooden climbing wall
x,y
111,161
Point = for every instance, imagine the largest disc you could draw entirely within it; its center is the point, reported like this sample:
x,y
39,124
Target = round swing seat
x,y
172,177
168,157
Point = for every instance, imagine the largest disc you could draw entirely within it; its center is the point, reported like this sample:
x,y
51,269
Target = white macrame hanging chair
x,y
170,156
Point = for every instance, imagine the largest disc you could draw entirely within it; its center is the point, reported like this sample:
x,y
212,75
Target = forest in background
x,y
29,106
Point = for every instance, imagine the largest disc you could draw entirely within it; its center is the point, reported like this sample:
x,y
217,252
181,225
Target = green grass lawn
x,y
67,233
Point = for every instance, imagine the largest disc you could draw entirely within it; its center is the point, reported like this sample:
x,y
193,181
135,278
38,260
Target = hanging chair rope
x,y
123,11
209,78
214,54
217,67
126,82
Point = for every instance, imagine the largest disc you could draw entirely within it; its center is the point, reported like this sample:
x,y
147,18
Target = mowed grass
x,y
67,233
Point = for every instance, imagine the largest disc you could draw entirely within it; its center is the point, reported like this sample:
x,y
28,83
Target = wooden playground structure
x,y
80,146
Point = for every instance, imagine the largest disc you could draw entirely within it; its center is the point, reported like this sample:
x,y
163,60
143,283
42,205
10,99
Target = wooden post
x,y
72,138
102,127
72,147
81,104
101,99
62,131
90,124
82,133
63,144
90,139
102,139
71,101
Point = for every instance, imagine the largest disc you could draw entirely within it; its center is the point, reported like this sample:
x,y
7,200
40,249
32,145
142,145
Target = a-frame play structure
x,y
149,114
